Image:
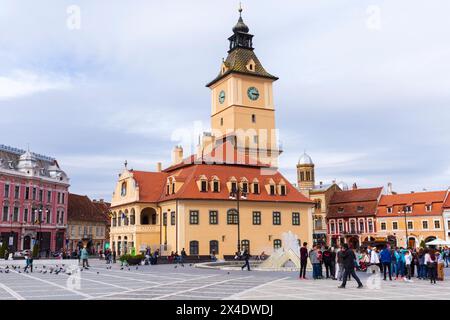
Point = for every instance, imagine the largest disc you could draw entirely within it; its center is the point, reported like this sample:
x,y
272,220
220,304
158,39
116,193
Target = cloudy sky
x,y
364,85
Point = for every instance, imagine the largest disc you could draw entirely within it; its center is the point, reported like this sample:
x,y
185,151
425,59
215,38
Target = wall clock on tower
x,y
253,93
222,96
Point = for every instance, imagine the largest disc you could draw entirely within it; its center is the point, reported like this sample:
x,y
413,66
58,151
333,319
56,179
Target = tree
x,y
422,244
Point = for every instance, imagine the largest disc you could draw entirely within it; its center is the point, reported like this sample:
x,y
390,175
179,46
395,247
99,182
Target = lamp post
x,y
406,227
237,194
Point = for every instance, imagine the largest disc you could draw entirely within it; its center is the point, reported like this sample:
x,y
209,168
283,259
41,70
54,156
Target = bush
x,y
3,249
130,259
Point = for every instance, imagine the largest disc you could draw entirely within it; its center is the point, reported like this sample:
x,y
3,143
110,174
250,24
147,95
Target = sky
x,y
364,86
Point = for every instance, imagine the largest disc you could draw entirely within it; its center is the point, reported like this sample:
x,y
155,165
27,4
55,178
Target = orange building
x,y
193,204
412,218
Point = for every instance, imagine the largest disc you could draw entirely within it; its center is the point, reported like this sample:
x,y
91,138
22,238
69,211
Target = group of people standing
x,y
401,263
341,263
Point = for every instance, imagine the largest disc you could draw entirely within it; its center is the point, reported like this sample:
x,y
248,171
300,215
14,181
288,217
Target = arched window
x,y
114,219
123,190
132,217
193,247
245,245
277,244
214,247
125,218
119,220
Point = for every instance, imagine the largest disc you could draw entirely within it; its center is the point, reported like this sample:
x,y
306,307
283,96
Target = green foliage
x,y
422,244
3,249
35,252
130,258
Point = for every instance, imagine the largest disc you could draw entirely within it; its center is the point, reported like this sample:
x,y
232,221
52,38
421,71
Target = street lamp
x,y
406,226
237,194
39,221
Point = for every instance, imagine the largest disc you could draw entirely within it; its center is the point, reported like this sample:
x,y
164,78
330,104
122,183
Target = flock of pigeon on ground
x,y
57,269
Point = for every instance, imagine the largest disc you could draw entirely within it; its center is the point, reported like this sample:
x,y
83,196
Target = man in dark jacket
x,y
246,257
349,267
329,258
303,260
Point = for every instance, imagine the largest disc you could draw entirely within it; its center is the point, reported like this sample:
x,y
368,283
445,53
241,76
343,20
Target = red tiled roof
x,y
447,201
417,200
151,185
354,203
224,173
358,195
224,153
103,207
81,208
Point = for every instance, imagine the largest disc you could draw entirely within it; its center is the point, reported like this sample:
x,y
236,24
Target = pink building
x,y
33,198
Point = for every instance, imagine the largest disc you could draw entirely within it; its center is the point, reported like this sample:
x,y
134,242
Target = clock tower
x,y
242,107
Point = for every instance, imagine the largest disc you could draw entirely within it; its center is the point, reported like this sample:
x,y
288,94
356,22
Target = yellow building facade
x,y
230,194
411,219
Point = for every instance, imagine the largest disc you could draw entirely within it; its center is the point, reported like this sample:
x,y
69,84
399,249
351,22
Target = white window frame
x,y
396,222
428,225
407,223
434,224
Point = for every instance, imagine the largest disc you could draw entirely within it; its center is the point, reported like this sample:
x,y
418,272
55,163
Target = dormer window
x,y
216,186
429,207
233,186
283,190
272,190
167,189
251,65
389,209
255,187
245,187
341,209
173,187
360,209
204,186
408,209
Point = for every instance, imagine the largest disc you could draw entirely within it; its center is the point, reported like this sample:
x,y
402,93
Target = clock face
x,y
222,96
253,93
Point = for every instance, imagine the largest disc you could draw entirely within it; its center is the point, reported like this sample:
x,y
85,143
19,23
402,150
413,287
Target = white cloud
x,y
22,83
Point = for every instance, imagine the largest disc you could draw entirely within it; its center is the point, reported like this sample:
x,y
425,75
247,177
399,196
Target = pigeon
x,y
128,269
121,268
7,271
98,272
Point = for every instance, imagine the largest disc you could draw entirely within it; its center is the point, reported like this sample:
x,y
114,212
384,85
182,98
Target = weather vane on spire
x,y
125,164
240,8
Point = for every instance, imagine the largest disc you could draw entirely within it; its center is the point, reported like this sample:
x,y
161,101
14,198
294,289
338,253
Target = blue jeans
x,y
316,270
394,267
400,268
423,271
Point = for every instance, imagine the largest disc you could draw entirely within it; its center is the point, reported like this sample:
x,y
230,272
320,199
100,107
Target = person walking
x,y
313,257
340,262
246,257
303,260
349,267
386,260
28,261
183,256
84,255
446,256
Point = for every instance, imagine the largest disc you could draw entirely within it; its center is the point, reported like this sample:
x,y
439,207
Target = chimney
x,y
177,155
389,188
354,187
158,167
